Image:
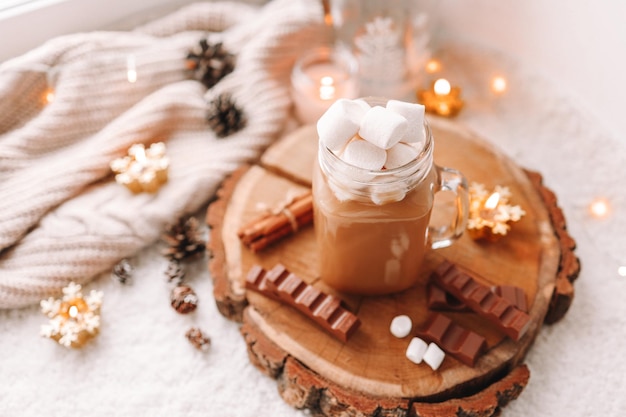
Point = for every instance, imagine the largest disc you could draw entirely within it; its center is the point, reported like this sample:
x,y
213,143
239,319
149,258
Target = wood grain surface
x,y
370,373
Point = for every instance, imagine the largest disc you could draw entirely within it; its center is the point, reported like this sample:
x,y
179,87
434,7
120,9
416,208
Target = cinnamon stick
x,y
280,222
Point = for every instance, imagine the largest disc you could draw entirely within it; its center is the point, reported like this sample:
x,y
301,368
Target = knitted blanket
x,y
63,217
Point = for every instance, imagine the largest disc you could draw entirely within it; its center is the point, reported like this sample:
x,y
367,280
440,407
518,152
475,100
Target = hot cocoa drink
x,y
369,248
373,192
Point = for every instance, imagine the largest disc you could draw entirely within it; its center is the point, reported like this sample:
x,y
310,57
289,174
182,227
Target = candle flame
x,y
73,311
498,84
140,154
492,201
442,87
327,89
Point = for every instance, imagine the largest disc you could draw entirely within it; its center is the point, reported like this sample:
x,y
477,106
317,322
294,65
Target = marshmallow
x,y
363,154
416,350
340,123
393,195
401,326
414,114
434,356
400,155
382,127
363,104
339,193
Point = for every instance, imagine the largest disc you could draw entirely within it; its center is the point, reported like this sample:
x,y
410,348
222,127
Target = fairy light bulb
x,y
48,96
599,208
72,311
433,66
498,84
621,271
131,69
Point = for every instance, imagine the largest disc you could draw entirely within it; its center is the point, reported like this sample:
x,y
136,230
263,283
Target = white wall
x,y
25,27
580,45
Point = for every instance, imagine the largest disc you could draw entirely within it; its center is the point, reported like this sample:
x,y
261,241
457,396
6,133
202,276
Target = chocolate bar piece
x,y
515,295
489,305
283,286
465,345
438,299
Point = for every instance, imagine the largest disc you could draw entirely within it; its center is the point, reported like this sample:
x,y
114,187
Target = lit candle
x,y
142,170
442,98
327,89
319,78
74,319
490,214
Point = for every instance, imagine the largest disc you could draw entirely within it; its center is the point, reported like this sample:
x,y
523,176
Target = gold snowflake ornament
x,y
143,170
74,319
490,214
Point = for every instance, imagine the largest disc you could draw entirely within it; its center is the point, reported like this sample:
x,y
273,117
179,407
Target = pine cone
x,y
122,271
224,116
210,63
184,240
198,339
175,273
184,299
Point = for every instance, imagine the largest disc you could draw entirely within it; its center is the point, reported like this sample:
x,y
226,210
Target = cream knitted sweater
x,y
62,216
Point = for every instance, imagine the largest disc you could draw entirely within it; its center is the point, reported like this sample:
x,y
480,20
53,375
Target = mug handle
x,y
451,180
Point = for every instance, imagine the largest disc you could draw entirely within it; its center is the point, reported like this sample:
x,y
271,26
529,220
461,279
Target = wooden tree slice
x,y
370,374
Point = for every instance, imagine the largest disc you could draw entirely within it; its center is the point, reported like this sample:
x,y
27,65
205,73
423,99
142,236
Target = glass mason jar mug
x,y
372,227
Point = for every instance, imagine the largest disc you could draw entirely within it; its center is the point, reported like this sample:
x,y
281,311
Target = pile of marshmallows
x,y
373,138
418,350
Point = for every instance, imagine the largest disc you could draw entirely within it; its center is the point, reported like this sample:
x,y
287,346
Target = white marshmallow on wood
x,y
416,350
399,155
401,326
383,127
414,114
363,154
340,123
434,356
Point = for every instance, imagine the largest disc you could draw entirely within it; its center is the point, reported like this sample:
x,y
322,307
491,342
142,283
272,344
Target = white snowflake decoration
x,y
143,170
380,52
491,221
73,319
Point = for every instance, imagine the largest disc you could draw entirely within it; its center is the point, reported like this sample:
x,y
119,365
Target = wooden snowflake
x,y
143,170
74,318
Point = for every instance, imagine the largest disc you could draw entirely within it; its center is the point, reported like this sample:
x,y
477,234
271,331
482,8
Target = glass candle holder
x,y
389,40
319,78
